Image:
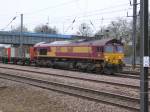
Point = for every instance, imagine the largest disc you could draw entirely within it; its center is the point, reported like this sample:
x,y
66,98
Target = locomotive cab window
x,y
99,49
109,49
43,52
119,49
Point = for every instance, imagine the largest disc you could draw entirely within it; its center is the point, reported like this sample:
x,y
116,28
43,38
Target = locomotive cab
x,y
113,56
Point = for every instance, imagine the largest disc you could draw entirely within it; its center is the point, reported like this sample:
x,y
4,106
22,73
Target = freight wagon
x,y
16,55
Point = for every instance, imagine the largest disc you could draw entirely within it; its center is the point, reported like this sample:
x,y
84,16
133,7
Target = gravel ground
x,y
78,74
101,87
17,97
97,86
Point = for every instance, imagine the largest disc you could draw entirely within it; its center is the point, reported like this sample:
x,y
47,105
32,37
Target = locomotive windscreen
x,y
119,49
109,49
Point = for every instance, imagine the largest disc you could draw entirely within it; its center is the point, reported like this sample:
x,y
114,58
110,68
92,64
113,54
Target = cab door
x,y
98,52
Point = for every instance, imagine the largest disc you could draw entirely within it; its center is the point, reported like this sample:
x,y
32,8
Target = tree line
x,y
120,29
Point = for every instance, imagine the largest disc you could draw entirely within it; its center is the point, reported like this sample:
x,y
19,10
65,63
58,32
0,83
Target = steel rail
x,y
78,78
128,75
129,103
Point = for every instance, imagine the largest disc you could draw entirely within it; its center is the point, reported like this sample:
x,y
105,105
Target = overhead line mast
x,y
21,36
134,32
144,51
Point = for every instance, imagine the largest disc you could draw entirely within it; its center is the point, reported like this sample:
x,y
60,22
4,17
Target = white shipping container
x,y
2,51
16,52
12,54
19,51
6,52
27,55
26,52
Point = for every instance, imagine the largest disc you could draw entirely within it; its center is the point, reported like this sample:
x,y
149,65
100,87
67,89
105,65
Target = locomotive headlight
x,y
119,57
106,57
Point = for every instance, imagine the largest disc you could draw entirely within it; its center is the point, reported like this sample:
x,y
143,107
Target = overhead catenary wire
x,y
92,25
107,12
79,20
72,1
114,6
98,13
103,11
9,23
70,25
50,7
90,15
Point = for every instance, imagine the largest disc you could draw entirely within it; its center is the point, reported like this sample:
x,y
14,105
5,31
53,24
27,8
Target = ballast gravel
x,y
18,97
86,84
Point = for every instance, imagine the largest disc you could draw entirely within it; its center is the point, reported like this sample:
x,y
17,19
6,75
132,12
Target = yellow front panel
x,y
113,57
81,49
52,52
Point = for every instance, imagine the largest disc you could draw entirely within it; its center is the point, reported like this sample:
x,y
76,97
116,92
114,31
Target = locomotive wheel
x,y
108,71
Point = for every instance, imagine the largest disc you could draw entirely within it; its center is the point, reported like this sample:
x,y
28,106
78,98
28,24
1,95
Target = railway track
x,y
128,75
124,74
129,103
83,78
136,71
132,74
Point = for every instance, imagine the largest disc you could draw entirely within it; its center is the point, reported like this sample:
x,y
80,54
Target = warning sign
x,y
146,61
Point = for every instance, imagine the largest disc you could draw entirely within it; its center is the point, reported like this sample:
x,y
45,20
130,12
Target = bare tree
x,y
45,29
85,30
102,33
119,29
18,29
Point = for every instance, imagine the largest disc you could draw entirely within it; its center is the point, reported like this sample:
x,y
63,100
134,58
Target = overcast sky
x,y
61,13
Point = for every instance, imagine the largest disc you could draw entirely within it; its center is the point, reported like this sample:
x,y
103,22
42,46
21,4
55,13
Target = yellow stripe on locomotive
x,y
114,58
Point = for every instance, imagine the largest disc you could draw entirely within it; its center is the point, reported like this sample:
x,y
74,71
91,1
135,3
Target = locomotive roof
x,y
101,42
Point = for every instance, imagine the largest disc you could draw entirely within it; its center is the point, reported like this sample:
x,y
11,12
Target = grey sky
x,y
61,13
